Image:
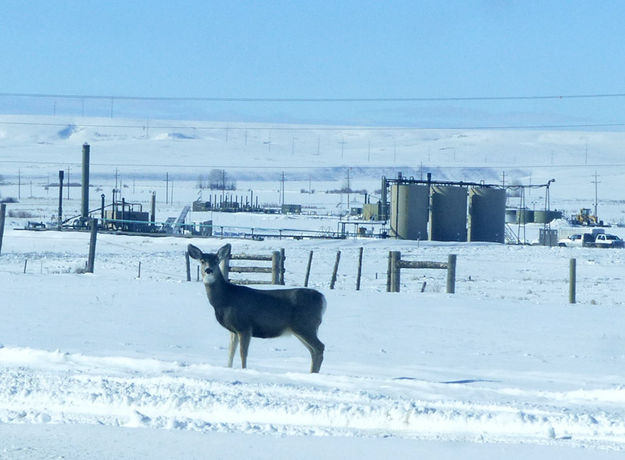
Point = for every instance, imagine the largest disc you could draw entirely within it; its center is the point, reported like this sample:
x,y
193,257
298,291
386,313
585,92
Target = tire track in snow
x,y
44,387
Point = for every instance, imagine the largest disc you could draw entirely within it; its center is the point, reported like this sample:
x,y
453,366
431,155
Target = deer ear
x,y
194,252
224,252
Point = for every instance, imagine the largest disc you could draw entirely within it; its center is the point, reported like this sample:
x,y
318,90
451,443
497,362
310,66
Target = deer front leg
x,y
244,338
234,341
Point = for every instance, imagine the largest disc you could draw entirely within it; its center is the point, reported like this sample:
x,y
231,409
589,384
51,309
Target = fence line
x,y
531,287
395,264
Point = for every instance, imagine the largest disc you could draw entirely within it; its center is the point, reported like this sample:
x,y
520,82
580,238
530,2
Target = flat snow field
x,y
113,365
129,362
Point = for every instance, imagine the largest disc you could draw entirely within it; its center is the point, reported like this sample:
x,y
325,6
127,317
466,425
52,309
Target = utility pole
x,y
68,179
503,179
348,190
282,189
19,184
596,182
223,185
342,146
60,221
394,151
166,188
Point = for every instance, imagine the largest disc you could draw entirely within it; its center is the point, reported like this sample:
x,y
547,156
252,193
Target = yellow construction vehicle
x,y
584,217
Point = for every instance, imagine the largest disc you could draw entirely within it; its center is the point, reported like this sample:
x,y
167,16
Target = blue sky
x,y
321,49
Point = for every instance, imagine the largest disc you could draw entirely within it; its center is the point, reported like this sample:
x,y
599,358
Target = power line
x,y
303,127
305,167
318,99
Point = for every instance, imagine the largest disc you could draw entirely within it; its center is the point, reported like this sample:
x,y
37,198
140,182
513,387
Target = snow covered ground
x,y
117,365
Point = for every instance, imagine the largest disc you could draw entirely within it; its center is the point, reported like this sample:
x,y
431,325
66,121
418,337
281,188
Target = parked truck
x,y
597,239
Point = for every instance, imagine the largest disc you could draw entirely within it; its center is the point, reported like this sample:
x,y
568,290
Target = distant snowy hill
x,y
32,146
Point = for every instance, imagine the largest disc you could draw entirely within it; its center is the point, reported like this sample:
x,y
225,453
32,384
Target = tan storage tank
x,y
545,217
525,216
511,216
487,214
448,213
409,211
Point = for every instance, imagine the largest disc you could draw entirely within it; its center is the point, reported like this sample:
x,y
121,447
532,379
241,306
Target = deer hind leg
x,y
244,339
315,347
234,342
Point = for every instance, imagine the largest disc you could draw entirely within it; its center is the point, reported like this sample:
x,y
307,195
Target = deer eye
x,y
208,270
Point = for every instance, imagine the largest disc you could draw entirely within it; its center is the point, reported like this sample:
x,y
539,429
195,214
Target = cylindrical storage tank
x,y
511,216
542,217
448,213
525,216
487,214
409,211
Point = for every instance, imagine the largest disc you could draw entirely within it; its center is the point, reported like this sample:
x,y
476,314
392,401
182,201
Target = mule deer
x,y
264,313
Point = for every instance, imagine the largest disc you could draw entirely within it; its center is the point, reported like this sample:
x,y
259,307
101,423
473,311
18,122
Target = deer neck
x,y
216,290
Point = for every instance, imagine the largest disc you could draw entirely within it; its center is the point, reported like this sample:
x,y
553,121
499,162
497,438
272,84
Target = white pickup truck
x,y
605,240
597,239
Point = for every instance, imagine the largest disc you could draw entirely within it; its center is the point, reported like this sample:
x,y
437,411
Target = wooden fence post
x,y
3,210
282,269
395,278
139,271
451,274
92,242
359,269
310,256
336,269
572,280
388,273
188,265
275,267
